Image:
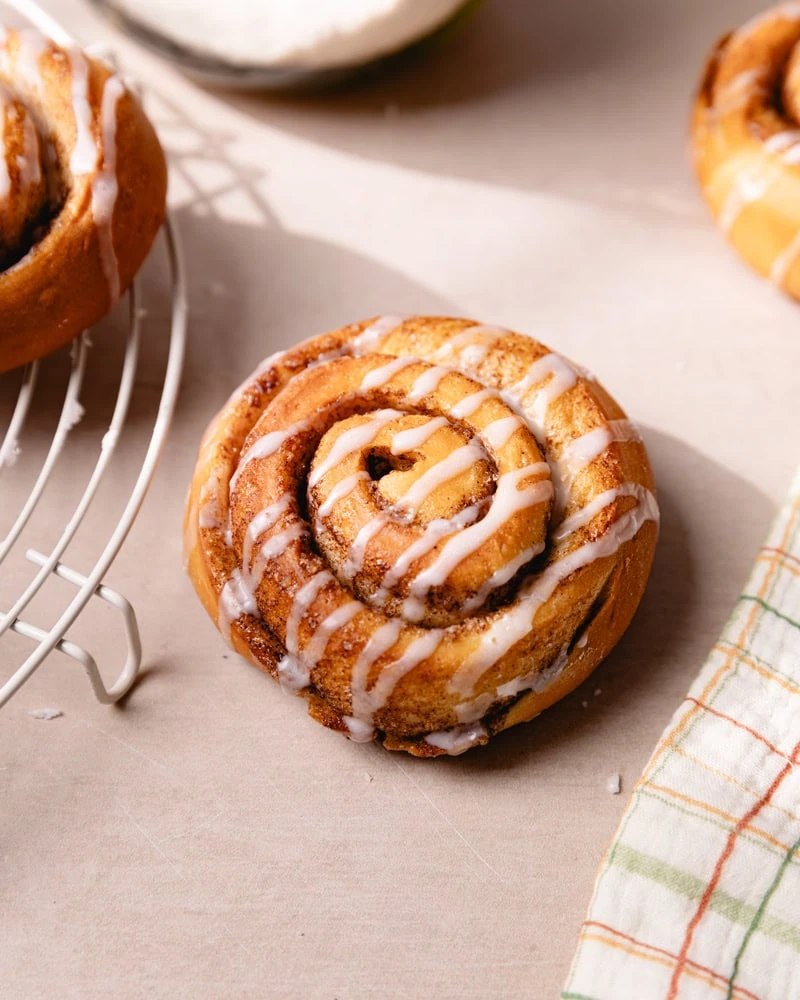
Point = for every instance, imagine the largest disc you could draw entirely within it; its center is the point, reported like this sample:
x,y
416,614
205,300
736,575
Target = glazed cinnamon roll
x,y
82,193
430,528
746,142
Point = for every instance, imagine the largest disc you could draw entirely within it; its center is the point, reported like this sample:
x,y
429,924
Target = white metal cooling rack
x,y
44,471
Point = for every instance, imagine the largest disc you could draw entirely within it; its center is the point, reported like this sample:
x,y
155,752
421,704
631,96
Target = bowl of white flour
x,y
283,43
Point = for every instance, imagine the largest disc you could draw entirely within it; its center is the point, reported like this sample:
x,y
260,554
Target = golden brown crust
x,y
745,146
77,264
378,503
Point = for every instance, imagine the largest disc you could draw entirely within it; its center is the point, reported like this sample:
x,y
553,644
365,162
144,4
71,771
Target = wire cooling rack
x,y
63,423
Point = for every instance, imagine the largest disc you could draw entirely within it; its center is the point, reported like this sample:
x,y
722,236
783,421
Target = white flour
x,y
304,33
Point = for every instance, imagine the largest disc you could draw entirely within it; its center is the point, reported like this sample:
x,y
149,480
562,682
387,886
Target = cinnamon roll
x,y
82,193
430,528
746,142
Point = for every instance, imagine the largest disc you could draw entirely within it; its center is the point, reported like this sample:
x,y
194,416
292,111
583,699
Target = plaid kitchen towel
x,y
699,893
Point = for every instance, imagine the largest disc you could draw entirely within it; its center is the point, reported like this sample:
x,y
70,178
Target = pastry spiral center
x,y
424,505
415,481
23,182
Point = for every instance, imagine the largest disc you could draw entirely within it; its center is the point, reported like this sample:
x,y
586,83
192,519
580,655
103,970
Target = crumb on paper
x,y
614,784
45,714
368,777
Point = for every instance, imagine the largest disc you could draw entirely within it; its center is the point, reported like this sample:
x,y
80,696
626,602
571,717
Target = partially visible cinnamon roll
x,y
746,142
430,528
82,193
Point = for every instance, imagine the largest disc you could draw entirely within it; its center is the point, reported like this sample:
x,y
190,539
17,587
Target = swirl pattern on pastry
x,y
82,193
431,528
746,142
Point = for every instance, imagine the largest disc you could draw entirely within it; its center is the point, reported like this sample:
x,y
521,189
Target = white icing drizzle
x,y
470,404
272,547
415,437
337,352
84,155
560,376
256,374
473,355
498,432
748,187
32,46
104,185
350,441
263,368
476,708
738,91
210,515
753,184
293,674
380,642
264,447
457,462
317,644
742,81
785,143
583,450
262,522
303,599
507,501
471,345
453,465
238,594
340,490
235,599
785,260
459,739
625,430
427,383
369,340
433,533
358,731
367,703
582,517
358,550
516,622
537,681
380,376
501,576
621,531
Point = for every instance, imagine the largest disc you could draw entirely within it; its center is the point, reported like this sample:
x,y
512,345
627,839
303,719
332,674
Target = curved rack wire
x,y
16,618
